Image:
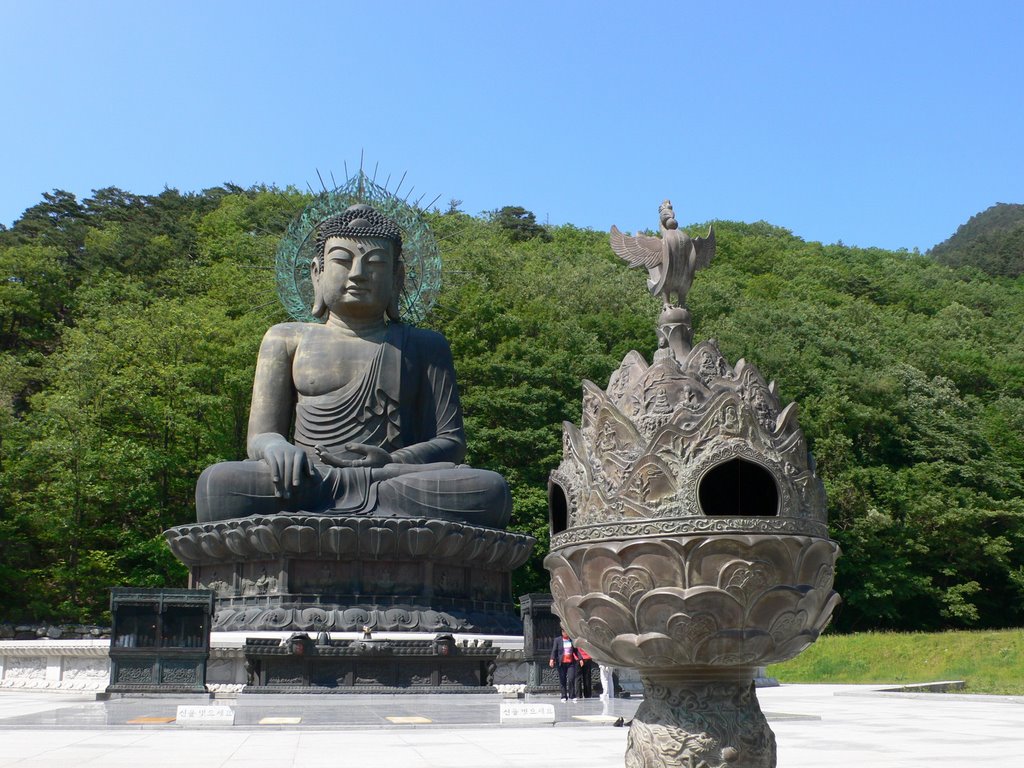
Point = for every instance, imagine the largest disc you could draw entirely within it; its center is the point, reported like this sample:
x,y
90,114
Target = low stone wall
x,y
73,665
53,632
84,665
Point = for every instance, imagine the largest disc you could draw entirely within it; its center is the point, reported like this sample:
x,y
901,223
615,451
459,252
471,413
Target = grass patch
x,y
988,661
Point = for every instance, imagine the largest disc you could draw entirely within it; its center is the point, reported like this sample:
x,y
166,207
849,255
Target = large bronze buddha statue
x,y
353,509
371,403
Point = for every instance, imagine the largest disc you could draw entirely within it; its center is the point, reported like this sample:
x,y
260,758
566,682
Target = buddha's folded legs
x,y
245,488
463,494
235,489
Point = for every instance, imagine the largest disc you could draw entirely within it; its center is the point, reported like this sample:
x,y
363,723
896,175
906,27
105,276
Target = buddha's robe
x,y
406,402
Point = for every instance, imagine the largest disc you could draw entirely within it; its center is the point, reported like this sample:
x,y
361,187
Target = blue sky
x,y
875,123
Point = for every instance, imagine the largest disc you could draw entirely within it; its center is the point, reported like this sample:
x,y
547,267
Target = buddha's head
x,y
358,271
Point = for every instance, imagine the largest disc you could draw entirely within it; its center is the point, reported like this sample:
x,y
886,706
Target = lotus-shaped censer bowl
x,y
689,542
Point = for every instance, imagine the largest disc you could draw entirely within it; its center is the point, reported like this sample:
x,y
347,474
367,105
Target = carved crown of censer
x,y
689,536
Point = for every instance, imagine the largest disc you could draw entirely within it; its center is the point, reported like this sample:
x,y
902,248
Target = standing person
x,y
586,674
566,657
607,682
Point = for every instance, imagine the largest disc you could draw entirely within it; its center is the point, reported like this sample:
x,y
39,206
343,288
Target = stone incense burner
x,y
689,539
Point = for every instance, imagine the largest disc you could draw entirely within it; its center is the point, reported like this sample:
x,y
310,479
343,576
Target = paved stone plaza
x,y
815,725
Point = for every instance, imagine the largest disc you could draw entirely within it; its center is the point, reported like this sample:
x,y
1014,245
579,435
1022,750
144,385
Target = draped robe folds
x,y
404,401
676,273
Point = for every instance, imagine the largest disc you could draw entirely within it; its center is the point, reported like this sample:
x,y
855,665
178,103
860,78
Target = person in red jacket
x,y
585,674
566,657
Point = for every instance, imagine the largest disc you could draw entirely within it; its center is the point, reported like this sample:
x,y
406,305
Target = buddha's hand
x,y
288,463
369,456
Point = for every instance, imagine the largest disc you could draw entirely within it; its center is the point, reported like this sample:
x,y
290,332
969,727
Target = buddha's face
x,y
358,276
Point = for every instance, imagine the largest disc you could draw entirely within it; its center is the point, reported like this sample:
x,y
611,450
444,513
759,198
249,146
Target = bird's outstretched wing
x,y
705,248
636,251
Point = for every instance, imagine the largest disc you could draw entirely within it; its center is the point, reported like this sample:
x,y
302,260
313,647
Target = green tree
x,y
519,223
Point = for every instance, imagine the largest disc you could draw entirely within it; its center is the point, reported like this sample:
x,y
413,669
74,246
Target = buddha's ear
x,y
319,307
393,310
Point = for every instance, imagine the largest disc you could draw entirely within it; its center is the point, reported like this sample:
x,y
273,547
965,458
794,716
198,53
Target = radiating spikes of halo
x,y
419,248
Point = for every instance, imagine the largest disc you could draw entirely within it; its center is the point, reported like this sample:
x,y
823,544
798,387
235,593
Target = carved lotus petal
x,y
657,609
212,545
812,557
274,619
380,541
591,564
793,646
750,546
649,650
659,650
231,619
281,523
435,621
494,546
505,550
237,542
519,551
315,619
654,610
623,648
825,577
616,615
186,547
663,609
354,619
627,585
773,602
450,539
577,623
419,541
473,546
739,571
690,631
263,539
746,580
660,558
787,625
735,647
400,619
564,582
825,613
339,540
298,539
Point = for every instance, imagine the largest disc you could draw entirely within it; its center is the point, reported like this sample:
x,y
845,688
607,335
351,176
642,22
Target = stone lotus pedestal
x,y
689,543
323,573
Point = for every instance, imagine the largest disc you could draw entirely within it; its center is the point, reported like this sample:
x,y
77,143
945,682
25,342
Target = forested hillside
x,y
129,326
992,241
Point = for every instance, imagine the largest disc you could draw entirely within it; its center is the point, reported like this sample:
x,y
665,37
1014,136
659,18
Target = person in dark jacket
x,y
565,656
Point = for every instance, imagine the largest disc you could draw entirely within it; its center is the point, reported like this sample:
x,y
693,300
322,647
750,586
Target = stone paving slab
x,y
815,725
304,711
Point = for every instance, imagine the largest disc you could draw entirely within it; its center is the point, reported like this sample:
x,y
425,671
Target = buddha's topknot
x,y
358,221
